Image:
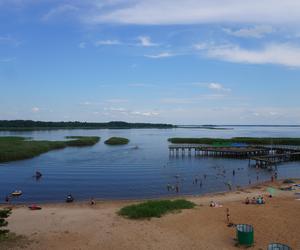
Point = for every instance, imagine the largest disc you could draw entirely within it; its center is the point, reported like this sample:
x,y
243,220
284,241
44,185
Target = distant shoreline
x,y
29,125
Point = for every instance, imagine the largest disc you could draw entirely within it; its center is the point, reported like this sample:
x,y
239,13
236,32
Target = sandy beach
x,y
81,226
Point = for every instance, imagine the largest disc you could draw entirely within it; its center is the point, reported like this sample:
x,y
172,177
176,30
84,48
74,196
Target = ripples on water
x,y
127,172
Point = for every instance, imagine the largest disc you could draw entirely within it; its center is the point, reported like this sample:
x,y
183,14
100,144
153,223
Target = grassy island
x,y
156,209
19,148
117,141
246,140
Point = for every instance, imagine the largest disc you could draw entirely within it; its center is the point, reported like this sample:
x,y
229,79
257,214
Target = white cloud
x,y
200,11
142,85
145,41
218,87
117,100
127,112
144,113
9,40
257,31
86,103
283,54
192,100
35,109
161,55
60,10
107,42
82,45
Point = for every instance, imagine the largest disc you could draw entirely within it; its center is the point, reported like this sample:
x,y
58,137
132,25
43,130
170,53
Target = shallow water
x,y
124,172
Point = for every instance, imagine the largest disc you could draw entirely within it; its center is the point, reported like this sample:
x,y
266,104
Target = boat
x,y
34,207
69,198
17,193
38,174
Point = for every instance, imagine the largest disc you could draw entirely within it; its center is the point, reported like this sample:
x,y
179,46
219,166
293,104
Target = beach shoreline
x,y
82,226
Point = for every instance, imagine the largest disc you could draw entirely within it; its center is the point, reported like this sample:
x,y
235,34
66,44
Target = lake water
x,y
127,172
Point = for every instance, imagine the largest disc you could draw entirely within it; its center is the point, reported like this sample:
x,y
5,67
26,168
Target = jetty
x,y
265,156
204,150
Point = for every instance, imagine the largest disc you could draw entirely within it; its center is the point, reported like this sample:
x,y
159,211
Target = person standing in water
x,y
233,172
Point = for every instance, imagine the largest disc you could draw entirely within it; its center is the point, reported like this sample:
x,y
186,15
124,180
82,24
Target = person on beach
x,y
247,201
233,172
7,199
92,201
272,178
177,188
169,187
276,175
228,215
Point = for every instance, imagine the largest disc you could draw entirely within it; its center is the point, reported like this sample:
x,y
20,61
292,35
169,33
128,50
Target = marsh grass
x,y
19,148
156,209
117,141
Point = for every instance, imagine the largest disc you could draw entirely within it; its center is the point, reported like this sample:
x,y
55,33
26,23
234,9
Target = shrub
x,y
117,141
150,209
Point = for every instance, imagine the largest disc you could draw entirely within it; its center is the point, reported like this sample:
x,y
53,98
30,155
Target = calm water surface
x,y
127,172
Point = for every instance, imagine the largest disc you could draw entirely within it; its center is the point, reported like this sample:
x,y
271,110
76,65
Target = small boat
x,y
17,193
38,174
69,198
34,207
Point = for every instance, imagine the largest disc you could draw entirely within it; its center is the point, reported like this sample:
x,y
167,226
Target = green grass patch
x,y
247,140
117,141
19,148
13,241
156,209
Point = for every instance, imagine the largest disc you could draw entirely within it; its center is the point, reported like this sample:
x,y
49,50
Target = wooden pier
x,y
264,156
265,161
228,152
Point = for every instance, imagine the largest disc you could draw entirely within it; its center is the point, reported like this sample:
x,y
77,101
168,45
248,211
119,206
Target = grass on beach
x,y
156,209
13,241
117,141
19,148
248,140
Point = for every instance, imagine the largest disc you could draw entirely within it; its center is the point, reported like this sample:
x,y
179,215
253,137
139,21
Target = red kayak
x,y
35,207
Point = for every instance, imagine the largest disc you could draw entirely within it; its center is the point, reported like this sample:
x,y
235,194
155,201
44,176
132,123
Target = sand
x,y
81,226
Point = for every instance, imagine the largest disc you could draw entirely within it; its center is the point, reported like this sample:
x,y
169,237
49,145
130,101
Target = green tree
x,y
4,213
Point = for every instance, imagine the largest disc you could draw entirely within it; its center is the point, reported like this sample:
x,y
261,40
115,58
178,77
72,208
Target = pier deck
x,y
231,152
264,156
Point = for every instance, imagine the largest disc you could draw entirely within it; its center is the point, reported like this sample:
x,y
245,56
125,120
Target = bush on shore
x,y
156,209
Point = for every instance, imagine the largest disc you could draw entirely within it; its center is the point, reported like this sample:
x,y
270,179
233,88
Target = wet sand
x,y
81,226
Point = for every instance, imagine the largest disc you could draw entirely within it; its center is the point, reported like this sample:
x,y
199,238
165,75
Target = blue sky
x,y
191,62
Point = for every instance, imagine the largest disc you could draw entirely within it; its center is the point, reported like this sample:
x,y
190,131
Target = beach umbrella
x,y
271,191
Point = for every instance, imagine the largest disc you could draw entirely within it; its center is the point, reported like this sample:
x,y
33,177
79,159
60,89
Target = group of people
x,y
255,200
172,188
215,204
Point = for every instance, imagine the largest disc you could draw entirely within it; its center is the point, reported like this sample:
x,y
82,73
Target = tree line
x,y
29,124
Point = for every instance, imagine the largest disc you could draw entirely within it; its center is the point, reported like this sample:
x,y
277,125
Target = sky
x,y
171,61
